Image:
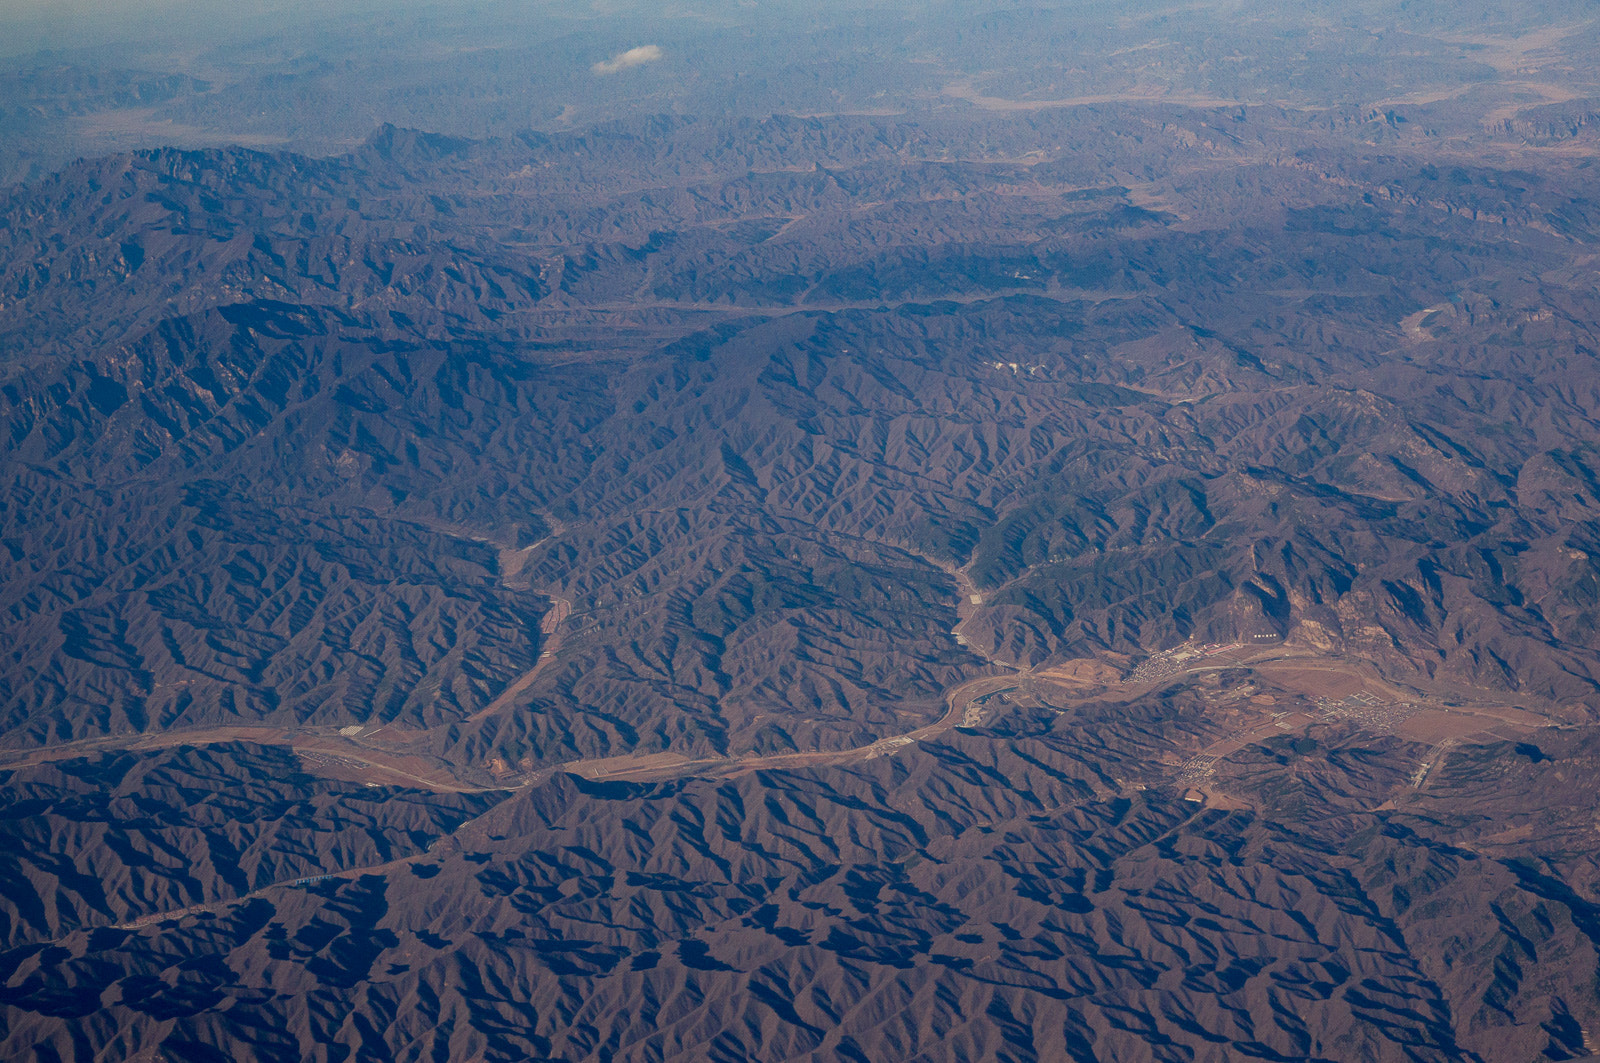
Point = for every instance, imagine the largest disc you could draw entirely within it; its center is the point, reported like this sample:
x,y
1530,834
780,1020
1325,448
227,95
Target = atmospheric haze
x,y
899,532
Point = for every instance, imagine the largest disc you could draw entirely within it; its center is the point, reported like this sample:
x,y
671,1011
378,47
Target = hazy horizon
x,y
81,81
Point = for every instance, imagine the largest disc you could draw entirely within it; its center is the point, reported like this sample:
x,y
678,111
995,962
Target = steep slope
x,y
971,899
1101,582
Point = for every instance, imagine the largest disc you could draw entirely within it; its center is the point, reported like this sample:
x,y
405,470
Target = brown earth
x,y
1094,582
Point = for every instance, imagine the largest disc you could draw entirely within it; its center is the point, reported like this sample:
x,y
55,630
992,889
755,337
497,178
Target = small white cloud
x,y
647,53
